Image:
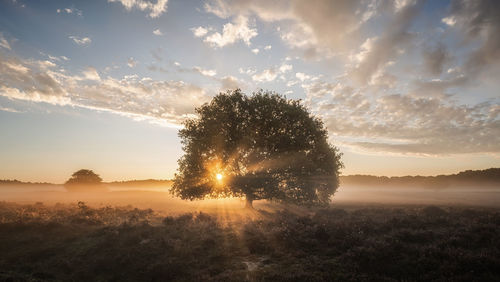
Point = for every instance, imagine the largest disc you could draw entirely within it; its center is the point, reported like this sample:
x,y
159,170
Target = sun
x,y
218,176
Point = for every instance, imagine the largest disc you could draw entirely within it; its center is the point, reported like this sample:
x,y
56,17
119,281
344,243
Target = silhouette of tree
x,y
262,147
84,176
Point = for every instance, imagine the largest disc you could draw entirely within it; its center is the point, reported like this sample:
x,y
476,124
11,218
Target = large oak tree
x,y
263,146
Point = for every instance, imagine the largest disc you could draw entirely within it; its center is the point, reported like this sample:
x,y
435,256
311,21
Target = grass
x,y
385,243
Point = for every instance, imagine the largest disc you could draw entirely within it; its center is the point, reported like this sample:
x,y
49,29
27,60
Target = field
x,y
346,241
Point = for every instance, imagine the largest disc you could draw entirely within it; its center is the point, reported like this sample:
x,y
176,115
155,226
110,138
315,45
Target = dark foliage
x,y
489,176
85,180
84,177
266,146
79,243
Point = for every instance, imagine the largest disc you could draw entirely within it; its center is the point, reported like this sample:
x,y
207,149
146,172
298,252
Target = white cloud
x,y
81,40
161,102
268,47
285,68
230,83
91,74
248,71
205,72
199,31
265,76
449,21
6,109
16,67
131,62
3,42
157,32
155,9
70,11
302,76
238,30
404,124
255,51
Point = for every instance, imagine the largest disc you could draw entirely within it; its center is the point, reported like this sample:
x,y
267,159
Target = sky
x,y
404,87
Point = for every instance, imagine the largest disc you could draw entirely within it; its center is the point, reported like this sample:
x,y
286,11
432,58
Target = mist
x,y
158,197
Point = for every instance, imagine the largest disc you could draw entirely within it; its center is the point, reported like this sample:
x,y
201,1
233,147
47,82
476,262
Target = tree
x,y
261,147
85,177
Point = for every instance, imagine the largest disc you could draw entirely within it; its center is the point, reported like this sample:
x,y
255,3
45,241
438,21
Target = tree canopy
x,y
84,176
263,146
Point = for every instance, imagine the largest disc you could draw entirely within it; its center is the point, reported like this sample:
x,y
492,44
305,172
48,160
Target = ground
x,y
342,242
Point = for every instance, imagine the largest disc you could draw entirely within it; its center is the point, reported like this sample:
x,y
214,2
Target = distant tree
x,y
84,176
261,147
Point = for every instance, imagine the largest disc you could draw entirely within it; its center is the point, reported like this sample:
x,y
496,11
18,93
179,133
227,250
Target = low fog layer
x,y
158,197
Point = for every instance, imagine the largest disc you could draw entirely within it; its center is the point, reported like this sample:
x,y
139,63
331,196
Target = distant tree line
x,y
489,176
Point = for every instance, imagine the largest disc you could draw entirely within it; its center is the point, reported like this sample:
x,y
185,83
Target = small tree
x,y
261,147
84,176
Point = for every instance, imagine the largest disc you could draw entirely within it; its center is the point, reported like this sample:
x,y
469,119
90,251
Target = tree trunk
x,y
248,202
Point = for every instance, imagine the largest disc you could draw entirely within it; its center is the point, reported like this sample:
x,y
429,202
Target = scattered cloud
x,y
268,47
239,30
255,51
265,76
405,124
3,42
82,41
91,74
435,59
162,102
131,62
155,9
451,21
285,68
480,23
302,76
7,109
157,32
204,72
199,31
230,83
74,11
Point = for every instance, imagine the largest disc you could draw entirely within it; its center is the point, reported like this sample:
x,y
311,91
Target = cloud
x,y
238,30
91,74
11,110
387,46
302,76
230,83
435,59
204,72
451,21
255,51
30,80
327,29
70,11
316,26
285,68
131,62
162,102
265,76
82,41
199,31
3,42
405,124
268,47
155,9
248,71
480,23
157,32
